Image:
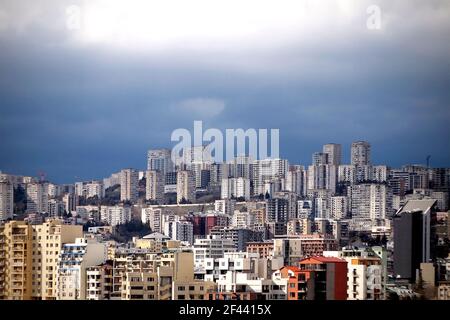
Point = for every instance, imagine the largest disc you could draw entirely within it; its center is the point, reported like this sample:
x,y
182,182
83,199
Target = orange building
x,y
297,288
328,278
316,278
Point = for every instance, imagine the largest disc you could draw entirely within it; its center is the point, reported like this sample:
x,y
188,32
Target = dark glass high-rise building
x,y
408,238
414,237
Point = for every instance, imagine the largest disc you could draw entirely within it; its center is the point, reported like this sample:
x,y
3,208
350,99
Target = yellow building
x,y
30,258
15,260
147,285
139,274
184,287
192,290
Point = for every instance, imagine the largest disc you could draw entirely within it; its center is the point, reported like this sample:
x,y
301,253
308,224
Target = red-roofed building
x,y
297,282
327,279
316,278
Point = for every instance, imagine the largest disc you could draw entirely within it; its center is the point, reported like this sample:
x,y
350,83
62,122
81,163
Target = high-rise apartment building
x,y
414,237
266,171
225,206
277,210
212,247
347,173
160,160
183,231
296,180
37,197
185,186
94,189
305,209
334,153
30,255
6,200
115,215
323,176
70,202
154,189
370,201
319,158
338,207
240,167
129,179
235,188
74,260
154,218
360,153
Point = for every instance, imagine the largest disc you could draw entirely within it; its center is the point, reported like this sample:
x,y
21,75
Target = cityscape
x,y
224,158
243,229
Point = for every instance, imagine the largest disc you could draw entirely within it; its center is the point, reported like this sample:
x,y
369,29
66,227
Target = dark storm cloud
x,y
84,110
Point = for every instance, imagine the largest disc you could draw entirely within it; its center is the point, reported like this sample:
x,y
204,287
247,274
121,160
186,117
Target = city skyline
x,y
345,160
225,156
87,102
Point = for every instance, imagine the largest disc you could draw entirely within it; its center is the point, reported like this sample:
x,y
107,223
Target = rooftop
x,y
423,205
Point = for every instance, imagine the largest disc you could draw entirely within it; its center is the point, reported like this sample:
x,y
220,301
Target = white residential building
x,y
243,220
305,209
295,180
185,186
74,259
267,170
323,176
338,207
360,153
247,273
370,201
55,208
225,206
380,173
154,218
235,188
112,180
240,167
129,179
212,247
115,215
334,153
154,189
94,189
160,160
70,202
37,197
54,190
347,173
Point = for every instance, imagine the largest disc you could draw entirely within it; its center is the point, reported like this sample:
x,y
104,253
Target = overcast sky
x,y
85,90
